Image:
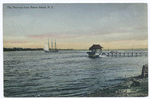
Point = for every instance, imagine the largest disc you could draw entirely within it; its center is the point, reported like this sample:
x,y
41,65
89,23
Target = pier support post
x,y
119,54
116,54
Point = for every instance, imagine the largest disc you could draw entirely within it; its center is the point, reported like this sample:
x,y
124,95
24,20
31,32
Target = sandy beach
x,y
131,87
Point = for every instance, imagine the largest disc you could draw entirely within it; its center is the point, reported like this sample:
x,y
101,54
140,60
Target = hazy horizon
x,y
77,26
83,49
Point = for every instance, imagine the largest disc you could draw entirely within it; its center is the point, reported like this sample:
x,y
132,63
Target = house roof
x,y
95,46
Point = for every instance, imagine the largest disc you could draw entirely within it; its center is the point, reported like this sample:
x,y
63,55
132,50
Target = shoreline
x,y
136,86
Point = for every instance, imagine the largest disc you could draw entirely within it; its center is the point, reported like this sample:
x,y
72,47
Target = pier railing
x,y
125,53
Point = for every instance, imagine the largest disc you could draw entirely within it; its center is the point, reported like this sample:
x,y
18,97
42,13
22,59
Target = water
x,y
64,73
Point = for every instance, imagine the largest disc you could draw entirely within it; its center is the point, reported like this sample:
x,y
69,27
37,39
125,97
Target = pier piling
x,y
131,54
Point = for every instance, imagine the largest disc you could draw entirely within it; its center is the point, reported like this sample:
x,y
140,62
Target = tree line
x,y
21,49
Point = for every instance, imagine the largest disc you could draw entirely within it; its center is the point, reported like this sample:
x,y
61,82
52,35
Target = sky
x,y
76,25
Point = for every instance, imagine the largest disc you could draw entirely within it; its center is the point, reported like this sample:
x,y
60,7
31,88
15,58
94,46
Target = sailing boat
x,y
47,49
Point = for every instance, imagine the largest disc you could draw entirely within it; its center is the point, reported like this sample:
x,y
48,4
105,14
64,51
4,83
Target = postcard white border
x,y
62,1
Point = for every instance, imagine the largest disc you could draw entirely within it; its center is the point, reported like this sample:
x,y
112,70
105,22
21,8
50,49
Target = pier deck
x,y
125,53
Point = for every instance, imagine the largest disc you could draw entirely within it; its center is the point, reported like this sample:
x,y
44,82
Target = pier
x,y
123,54
95,51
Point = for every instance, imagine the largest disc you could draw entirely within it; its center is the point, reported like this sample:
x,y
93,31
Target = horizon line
x,y
80,48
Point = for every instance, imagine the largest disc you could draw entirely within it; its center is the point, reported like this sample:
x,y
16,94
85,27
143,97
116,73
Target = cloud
x,y
143,28
41,36
15,42
54,35
109,33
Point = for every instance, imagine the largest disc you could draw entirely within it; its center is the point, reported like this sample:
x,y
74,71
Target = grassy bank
x,y
127,88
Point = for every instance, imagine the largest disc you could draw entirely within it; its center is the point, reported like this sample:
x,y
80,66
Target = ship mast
x,y
55,43
52,43
48,44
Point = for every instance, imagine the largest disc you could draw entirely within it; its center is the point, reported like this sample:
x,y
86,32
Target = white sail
x,y
46,48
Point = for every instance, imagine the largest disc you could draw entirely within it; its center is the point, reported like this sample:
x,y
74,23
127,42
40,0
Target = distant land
x,y
21,49
27,49
41,49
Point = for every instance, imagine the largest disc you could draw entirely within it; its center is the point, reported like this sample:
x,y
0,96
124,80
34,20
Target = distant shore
x,y
28,49
125,89
41,49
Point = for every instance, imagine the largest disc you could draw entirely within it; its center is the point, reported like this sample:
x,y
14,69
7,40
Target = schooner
x,y
47,49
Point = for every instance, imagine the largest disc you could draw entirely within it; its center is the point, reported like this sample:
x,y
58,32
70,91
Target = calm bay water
x,y
66,73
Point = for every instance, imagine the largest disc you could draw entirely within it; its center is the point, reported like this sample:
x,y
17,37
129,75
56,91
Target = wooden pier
x,y
129,54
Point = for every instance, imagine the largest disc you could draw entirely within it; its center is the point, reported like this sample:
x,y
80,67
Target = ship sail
x,y
46,48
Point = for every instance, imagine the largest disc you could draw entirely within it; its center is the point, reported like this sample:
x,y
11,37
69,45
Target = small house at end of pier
x,y
96,47
95,50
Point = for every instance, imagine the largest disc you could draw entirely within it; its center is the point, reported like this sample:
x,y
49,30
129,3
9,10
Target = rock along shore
x,y
131,87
